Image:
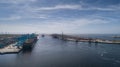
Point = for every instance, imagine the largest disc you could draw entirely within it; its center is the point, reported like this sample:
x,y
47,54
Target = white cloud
x,y
68,26
17,1
52,26
20,17
11,18
60,7
78,7
32,11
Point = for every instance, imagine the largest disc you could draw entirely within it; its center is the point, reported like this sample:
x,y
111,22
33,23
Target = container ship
x,y
29,43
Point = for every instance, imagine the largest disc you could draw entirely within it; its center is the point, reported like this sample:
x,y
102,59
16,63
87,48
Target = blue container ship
x,y
29,43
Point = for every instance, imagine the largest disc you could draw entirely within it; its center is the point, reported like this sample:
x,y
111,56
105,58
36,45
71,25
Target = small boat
x,y
43,35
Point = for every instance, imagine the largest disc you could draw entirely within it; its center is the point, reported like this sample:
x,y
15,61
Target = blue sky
x,y
55,16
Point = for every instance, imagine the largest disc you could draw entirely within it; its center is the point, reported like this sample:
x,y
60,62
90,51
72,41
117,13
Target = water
x,y
49,52
100,36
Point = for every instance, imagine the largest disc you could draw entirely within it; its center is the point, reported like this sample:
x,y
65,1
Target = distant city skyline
x,y
56,16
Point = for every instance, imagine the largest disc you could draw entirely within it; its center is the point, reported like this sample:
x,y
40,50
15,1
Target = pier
x,y
15,44
81,39
10,49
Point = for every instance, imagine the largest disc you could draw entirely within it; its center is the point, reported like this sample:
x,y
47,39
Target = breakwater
x,y
84,39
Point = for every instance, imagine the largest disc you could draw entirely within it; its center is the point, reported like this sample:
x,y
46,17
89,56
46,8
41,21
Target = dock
x,y
81,39
14,44
10,49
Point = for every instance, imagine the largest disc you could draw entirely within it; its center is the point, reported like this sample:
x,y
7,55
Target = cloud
x,y
31,12
11,18
22,17
26,9
101,5
82,6
17,1
57,7
53,26
77,7
17,28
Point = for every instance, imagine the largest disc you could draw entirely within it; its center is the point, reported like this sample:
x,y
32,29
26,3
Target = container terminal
x,y
11,43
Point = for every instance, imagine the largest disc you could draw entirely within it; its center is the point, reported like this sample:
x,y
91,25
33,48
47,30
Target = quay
x,y
10,49
15,44
81,39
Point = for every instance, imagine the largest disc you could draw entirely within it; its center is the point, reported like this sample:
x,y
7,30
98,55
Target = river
x,y
49,52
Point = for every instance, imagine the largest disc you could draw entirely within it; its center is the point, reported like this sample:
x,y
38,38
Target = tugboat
x,y
43,35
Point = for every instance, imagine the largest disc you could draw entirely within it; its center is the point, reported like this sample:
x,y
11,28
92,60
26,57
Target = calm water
x,y
100,36
49,52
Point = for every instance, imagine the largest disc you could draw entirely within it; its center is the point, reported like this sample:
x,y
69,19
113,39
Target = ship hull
x,y
30,44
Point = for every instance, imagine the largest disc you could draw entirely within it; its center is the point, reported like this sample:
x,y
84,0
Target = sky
x,y
56,16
